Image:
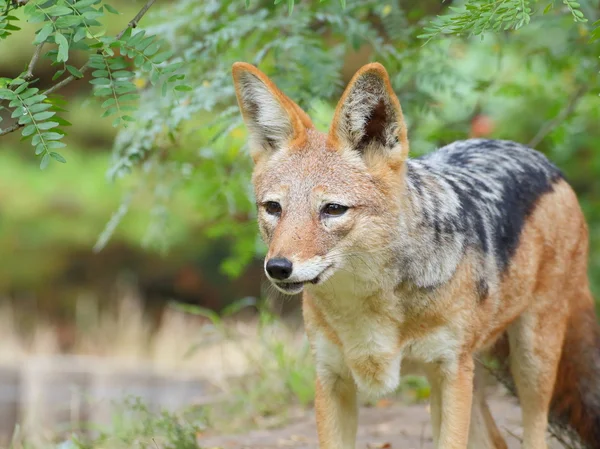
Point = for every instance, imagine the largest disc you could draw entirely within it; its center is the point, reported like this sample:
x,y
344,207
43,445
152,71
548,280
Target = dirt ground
x,y
394,427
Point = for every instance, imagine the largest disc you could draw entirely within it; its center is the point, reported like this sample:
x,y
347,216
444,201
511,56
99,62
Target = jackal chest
x,y
367,349
369,345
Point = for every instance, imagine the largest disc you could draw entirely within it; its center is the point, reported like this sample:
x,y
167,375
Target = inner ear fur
x,y
272,118
368,117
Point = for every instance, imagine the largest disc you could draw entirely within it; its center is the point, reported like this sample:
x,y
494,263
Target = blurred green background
x,y
181,172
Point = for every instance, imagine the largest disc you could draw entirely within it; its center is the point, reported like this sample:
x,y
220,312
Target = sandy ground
x,y
394,427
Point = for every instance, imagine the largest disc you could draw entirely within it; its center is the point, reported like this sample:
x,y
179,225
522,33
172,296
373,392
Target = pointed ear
x,y
273,120
368,117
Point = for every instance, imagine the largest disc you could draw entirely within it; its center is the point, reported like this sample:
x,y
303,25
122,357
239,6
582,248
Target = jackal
x,y
478,247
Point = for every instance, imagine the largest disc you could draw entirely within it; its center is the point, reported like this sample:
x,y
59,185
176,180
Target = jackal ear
x,y
273,120
368,117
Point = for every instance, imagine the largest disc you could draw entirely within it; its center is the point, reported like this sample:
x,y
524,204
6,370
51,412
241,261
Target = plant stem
x,y
549,126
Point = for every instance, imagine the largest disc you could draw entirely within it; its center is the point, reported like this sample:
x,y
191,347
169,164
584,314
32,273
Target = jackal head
x,y
328,204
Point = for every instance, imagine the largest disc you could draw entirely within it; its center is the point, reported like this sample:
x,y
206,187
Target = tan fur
x,y
363,323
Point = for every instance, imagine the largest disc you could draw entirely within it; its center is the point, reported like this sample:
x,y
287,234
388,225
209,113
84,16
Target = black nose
x,y
279,268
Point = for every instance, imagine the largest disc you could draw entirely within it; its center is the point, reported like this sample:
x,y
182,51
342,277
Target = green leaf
x,y
183,88
54,145
47,125
28,130
18,112
100,81
58,74
7,94
144,43
25,119
45,161
79,5
152,49
129,97
22,87
138,60
43,34
57,157
100,73
35,99
110,9
68,21
108,103
74,71
162,57
63,48
61,121
39,107
110,111
122,74
52,136
40,148
79,34
43,115
59,11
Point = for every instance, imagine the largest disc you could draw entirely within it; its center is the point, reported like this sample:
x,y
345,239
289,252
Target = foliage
x,y
527,68
137,426
74,25
476,17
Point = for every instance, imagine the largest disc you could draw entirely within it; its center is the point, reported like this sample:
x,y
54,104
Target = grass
x,y
261,366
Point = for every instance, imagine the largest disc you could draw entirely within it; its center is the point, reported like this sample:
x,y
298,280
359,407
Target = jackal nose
x,y
279,268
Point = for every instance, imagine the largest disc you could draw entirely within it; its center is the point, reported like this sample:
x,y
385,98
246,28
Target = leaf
x,y
35,99
108,103
43,34
57,75
47,125
183,88
59,11
39,107
63,48
45,161
152,49
110,9
68,21
58,157
74,71
79,5
28,130
100,73
79,34
54,145
43,115
7,94
100,81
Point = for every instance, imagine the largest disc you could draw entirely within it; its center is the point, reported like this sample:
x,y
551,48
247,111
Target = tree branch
x,y
133,23
10,129
549,126
36,56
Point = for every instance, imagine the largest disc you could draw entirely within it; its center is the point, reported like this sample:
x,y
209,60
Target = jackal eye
x,y
334,210
272,208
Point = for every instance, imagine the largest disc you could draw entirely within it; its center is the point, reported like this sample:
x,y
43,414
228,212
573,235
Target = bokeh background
x,y
95,253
